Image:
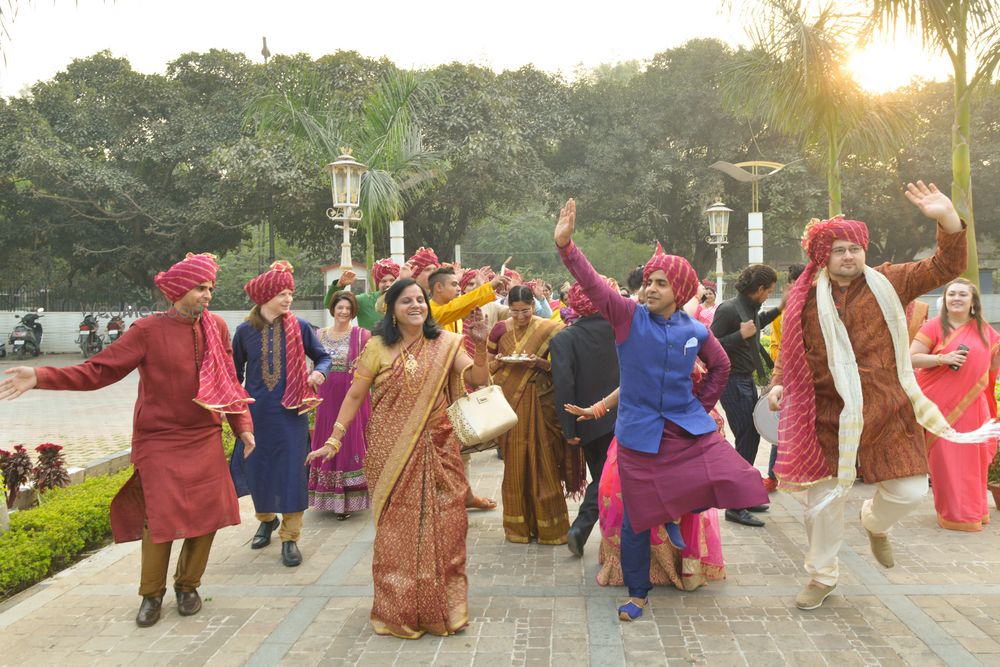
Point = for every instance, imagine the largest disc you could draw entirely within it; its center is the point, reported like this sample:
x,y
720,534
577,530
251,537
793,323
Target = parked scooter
x,y
116,327
26,338
88,340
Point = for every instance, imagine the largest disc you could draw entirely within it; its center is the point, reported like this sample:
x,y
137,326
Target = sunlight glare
x,y
882,67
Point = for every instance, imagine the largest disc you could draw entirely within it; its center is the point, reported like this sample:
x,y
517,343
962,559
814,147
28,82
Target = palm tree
x,y
794,79
957,28
382,132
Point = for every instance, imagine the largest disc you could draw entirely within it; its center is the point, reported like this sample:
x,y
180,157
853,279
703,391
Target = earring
x,y
394,321
972,311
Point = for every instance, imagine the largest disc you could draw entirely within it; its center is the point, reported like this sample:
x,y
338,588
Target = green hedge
x,y
47,538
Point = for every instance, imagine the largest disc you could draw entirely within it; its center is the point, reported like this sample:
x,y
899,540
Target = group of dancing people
x,y
623,385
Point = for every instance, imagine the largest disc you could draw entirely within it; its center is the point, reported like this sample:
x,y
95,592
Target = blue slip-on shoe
x,y
674,535
631,611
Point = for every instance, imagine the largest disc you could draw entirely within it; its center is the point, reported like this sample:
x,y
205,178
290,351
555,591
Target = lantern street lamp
x,y
345,188
718,235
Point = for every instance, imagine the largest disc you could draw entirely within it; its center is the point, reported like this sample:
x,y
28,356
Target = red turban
x,y
801,460
709,284
513,275
421,259
186,274
680,274
298,394
218,388
384,267
271,283
467,278
818,238
580,302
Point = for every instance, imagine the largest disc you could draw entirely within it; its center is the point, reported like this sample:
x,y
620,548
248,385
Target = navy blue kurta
x,y
275,475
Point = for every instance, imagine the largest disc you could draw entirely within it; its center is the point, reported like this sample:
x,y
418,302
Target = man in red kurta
x,y
181,488
818,447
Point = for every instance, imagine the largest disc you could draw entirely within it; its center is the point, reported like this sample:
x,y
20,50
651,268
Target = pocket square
x,y
691,342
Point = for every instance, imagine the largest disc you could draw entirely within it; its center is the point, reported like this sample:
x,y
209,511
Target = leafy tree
x,y
958,28
794,80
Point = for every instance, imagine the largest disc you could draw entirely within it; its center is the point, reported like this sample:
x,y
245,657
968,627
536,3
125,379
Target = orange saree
x,y
418,490
965,397
537,461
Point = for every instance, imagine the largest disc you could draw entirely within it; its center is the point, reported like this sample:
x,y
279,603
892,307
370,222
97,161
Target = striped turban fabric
x,y
800,459
298,396
423,258
680,274
580,303
467,277
384,267
218,388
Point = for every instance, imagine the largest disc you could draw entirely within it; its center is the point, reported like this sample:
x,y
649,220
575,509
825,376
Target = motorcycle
x,y
116,327
26,338
88,340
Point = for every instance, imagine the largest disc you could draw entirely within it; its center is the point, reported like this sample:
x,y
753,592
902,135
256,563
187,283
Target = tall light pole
x,y
718,235
755,219
345,188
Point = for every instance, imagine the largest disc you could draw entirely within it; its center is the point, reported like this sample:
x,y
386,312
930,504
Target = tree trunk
x,y
833,180
961,163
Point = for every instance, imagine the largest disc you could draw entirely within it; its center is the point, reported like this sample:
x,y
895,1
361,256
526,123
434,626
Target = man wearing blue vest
x,y
671,458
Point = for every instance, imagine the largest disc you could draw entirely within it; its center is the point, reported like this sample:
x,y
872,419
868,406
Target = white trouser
x,y
894,499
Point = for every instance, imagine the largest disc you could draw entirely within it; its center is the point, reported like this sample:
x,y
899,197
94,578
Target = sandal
x,y
481,503
632,610
344,516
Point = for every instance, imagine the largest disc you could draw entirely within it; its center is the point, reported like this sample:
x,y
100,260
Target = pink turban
x,y
269,284
819,237
186,274
580,302
384,267
421,259
680,274
467,278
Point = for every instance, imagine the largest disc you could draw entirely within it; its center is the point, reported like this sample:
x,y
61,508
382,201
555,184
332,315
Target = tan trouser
x,y
190,564
894,499
291,524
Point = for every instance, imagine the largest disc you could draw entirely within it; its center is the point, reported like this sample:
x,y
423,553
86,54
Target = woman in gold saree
x,y
538,463
413,466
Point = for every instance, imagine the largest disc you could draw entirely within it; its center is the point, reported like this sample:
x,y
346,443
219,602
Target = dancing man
x,y
181,486
846,389
671,459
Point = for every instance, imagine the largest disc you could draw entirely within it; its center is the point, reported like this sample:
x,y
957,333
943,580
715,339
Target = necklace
x,y
517,341
410,363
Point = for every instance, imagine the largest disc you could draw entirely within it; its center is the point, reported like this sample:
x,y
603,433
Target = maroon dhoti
x,y
688,473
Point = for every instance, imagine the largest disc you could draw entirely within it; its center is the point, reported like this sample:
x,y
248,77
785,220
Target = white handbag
x,y
481,417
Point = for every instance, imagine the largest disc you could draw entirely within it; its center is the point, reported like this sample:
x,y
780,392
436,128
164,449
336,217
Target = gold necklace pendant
x,y
410,365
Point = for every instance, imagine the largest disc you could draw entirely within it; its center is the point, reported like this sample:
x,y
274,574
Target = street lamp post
x,y
345,188
718,235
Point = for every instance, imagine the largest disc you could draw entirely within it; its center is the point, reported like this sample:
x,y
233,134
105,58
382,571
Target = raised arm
x,y
615,308
461,306
105,368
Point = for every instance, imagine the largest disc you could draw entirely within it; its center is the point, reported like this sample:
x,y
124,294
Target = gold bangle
x,y
334,444
340,426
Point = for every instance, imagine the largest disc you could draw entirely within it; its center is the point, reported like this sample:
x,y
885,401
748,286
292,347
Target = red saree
x,y
965,397
418,491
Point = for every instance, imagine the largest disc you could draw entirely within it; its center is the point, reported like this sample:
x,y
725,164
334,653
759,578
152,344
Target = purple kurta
x,y
688,472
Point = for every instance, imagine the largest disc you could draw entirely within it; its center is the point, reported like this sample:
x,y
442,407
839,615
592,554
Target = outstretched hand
x,y
582,414
20,379
567,224
934,204
475,326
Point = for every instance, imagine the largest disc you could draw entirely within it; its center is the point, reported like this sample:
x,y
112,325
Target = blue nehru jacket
x,y
656,361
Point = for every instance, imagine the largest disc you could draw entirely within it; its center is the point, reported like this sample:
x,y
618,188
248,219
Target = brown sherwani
x,y
892,443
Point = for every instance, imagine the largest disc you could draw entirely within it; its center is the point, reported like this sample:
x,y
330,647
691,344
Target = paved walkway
x,y
532,605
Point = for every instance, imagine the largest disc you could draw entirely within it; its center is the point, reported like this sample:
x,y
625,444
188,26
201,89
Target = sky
x,y
553,35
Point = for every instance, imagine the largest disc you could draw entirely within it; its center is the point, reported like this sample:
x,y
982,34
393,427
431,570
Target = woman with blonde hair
x,y
956,357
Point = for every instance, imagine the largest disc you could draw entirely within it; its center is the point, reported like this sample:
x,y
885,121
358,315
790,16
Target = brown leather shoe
x,y
149,611
188,602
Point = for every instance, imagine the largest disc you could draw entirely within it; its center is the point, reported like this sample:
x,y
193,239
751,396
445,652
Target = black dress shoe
x,y
263,536
743,517
188,602
149,611
290,554
575,539
759,508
